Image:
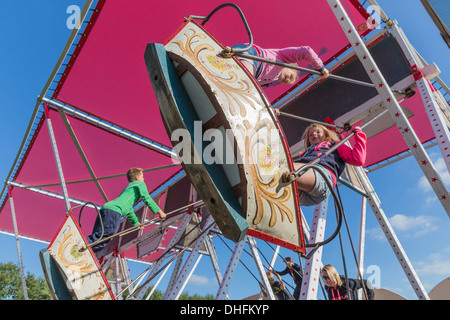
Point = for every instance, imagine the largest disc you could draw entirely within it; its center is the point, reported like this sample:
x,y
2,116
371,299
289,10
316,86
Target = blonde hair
x,y
332,274
329,134
133,173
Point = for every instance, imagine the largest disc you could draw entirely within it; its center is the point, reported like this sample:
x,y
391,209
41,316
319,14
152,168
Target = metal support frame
x,y
175,272
313,266
392,104
272,263
158,281
19,252
213,256
408,134
173,291
189,274
82,154
113,128
119,264
441,83
184,274
388,231
175,238
444,106
362,236
231,270
430,100
125,270
46,193
118,284
259,266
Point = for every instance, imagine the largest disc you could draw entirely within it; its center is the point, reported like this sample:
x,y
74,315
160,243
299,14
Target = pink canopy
x,y
108,155
390,142
106,77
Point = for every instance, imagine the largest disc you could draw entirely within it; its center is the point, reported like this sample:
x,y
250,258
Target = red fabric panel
x,y
38,216
107,154
390,142
109,77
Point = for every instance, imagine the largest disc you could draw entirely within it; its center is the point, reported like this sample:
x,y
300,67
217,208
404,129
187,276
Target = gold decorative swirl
x,y
234,89
77,264
262,190
79,267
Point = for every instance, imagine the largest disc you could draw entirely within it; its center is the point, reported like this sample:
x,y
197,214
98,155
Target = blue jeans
x,y
111,223
320,191
252,51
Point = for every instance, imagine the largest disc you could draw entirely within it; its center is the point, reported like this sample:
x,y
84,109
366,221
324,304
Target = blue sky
x,y
34,34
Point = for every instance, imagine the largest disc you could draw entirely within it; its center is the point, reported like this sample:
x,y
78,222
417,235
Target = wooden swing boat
x,y
203,95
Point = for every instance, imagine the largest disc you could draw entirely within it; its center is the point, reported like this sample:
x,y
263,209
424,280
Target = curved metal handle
x,y
250,36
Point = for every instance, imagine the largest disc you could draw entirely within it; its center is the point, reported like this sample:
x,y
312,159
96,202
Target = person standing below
x,y
278,287
294,270
113,211
336,288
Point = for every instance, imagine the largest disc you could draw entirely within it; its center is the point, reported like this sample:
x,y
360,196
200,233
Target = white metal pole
x,y
82,153
259,266
190,271
408,134
231,270
313,265
47,193
19,252
173,276
160,262
158,282
57,160
272,263
118,283
125,269
389,232
214,260
113,128
429,100
213,256
391,104
362,236
175,271
182,277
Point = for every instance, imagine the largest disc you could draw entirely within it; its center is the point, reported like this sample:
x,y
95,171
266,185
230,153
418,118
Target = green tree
x,y
37,289
11,284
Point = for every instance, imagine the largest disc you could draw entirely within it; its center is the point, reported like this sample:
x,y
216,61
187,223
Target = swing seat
x,y
206,98
52,274
71,274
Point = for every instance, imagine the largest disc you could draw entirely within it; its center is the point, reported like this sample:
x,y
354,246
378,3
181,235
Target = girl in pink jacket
x,y
267,74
